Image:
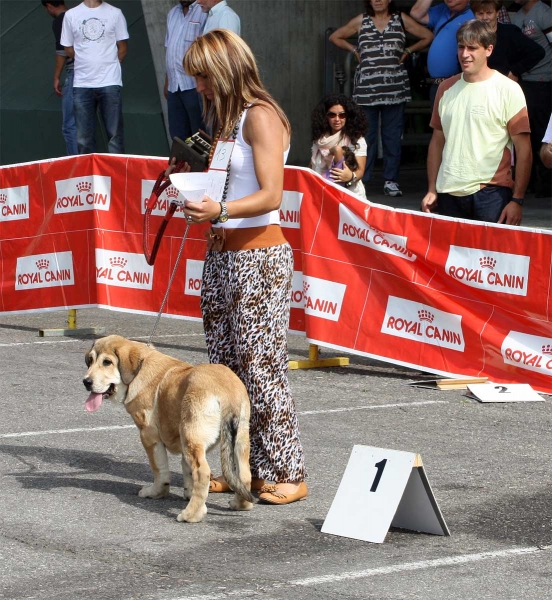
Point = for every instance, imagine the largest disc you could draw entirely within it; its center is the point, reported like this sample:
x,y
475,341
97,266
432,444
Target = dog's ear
x,y
130,361
89,357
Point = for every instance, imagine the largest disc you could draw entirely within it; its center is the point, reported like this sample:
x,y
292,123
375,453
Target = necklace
x,y
234,134
212,149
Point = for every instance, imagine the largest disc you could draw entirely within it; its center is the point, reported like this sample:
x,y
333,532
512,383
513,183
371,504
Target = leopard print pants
x,y
245,301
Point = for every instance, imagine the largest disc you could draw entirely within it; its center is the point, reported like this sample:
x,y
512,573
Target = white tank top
x,y
243,182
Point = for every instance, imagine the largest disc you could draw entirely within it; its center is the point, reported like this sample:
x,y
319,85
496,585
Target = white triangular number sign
x,y
379,489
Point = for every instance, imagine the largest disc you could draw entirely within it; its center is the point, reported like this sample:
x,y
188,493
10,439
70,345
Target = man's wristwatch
x,y
223,217
517,201
350,183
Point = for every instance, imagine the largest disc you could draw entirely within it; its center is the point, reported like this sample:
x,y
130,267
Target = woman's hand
x,y
404,57
201,212
341,175
172,168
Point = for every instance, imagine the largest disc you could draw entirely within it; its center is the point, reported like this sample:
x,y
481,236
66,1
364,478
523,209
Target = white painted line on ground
x,y
78,430
72,341
38,343
373,406
447,561
307,412
169,335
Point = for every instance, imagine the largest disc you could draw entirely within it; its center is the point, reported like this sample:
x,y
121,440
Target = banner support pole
x,y
72,328
314,362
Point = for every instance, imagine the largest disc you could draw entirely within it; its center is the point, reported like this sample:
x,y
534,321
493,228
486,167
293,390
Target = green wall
x,y
30,112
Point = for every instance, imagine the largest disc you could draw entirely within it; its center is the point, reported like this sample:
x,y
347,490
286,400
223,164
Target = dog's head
x,y
113,362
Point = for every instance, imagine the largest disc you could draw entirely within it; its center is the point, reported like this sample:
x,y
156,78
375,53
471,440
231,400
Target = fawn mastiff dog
x,y
180,408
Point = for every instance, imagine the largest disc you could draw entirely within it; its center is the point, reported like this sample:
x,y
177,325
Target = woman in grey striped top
x,y
381,82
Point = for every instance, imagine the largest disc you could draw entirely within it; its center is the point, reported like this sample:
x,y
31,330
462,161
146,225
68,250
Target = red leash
x,y
160,186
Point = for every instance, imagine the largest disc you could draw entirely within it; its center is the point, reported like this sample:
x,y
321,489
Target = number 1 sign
x,y
383,488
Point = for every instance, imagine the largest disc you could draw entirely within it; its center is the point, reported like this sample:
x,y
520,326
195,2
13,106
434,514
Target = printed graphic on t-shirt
x,y
93,29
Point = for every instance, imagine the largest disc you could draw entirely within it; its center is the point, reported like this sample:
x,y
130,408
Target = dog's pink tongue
x,y
94,402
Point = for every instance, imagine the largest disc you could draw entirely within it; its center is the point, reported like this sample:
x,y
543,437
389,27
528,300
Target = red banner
x,y
448,296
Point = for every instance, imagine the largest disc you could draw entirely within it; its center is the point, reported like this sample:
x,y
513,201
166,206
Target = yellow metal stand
x,y
72,328
314,362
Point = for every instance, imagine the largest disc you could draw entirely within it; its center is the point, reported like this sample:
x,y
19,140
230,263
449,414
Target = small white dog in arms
x,y
177,408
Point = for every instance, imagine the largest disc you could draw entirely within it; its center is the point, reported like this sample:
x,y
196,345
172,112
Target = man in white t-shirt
x,y
477,117
220,16
95,34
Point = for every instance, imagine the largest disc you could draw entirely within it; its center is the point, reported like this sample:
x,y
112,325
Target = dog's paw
x,y
191,517
151,491
238,503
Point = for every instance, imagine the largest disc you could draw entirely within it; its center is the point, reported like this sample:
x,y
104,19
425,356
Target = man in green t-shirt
x,y
477,118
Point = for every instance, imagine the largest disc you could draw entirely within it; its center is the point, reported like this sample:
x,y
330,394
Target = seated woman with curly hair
x,y
338,121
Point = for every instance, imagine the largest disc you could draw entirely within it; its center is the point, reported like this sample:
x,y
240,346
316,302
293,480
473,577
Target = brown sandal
x,y
219,485
270,494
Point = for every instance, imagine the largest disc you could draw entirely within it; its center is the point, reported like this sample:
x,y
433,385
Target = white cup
x,y
189,190
193,195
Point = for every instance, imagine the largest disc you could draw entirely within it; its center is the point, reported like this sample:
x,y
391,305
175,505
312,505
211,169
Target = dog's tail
x,y
234,449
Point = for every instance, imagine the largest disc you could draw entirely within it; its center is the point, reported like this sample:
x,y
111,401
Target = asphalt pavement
x,y
72,525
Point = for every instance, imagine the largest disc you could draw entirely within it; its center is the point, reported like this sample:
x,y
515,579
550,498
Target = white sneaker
x,y
391,189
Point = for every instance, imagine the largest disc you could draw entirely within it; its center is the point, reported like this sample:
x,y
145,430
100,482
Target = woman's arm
x,y
424,35
345,175
339,36
265,133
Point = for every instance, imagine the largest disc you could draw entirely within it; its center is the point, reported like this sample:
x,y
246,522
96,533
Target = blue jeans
x,y
86,101
392,125
485,205
184,108
68,126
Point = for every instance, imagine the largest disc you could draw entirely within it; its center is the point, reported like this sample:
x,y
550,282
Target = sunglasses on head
x,y
333,115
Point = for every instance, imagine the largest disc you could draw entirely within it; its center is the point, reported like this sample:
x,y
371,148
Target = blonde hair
x,y
234,78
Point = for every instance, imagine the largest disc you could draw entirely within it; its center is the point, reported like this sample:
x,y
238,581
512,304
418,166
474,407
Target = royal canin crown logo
x,y
487,262
527,351
118,261
3,198
425,315
123,269
84,186
407,319
501,272
355,230
323,298
171,192
44,270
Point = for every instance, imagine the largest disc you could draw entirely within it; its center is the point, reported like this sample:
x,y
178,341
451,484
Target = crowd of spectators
x,y
91,43
489,143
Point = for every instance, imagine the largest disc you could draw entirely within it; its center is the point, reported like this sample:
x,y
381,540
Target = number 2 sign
x,y
496,392
383,488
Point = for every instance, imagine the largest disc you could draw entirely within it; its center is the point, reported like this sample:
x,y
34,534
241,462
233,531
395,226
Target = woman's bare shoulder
x,y
262,118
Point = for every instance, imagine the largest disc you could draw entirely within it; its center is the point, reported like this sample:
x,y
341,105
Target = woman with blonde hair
x,y
247,276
